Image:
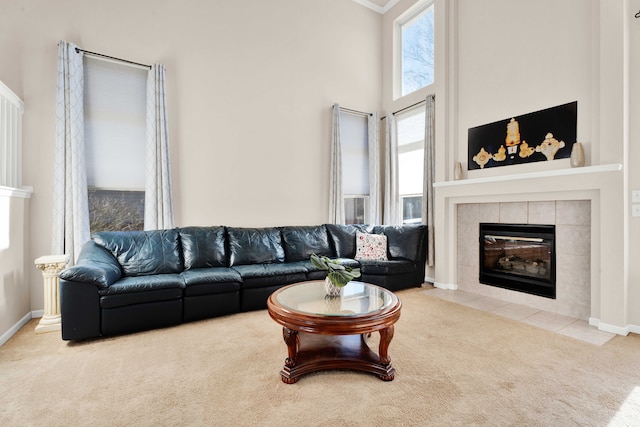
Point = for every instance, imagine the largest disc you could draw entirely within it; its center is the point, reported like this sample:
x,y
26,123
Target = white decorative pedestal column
x,y
51,265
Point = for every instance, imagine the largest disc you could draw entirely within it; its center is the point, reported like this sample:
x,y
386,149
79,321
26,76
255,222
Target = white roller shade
x,y
355,154
115,124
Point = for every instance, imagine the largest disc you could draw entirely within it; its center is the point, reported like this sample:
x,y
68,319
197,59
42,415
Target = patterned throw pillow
x,y
371,247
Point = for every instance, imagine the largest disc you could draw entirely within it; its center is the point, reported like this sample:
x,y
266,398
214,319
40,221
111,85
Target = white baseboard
x,y
620,330
449,286
15,328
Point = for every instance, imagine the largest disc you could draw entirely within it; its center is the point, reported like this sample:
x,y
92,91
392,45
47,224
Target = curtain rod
x,y
349,110
408,107
113,58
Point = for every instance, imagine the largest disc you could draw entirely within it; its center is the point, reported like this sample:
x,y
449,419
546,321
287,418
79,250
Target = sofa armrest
x,y
101,277
95,265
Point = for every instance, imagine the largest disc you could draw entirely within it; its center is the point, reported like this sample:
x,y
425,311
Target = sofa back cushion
x,y
343,238
203,247
142,253
404,241
254,246
300,242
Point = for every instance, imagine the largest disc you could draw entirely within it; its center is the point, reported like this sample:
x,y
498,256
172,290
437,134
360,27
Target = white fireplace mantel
x,y
602,185
532,175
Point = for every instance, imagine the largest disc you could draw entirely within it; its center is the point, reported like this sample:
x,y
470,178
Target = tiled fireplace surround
x,y
572,219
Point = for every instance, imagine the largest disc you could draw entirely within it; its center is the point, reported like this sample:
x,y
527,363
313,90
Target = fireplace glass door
x,y
519,257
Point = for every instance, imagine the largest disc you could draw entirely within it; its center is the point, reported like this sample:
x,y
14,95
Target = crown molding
x,y
380,9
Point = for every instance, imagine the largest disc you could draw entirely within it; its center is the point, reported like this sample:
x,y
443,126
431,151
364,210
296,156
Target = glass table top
x,y
357,299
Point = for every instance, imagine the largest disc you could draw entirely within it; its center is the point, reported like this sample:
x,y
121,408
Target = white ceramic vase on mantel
x,y
457,171
577,155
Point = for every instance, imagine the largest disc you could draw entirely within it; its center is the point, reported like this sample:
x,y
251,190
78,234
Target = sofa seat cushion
x,y
208,281
396,266
203,247
142,289
314,273
249,246
260,275
303,241
347,262
268,270
142,253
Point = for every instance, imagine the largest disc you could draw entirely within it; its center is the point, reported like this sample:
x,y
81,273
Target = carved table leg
x,y
293,342
291,339
385,339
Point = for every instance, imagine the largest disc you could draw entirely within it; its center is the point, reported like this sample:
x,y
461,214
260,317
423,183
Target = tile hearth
x,y
565,325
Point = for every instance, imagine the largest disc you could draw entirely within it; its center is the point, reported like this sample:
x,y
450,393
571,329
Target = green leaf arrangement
x,y
339,274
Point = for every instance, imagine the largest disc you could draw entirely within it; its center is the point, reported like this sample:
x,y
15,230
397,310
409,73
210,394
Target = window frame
x,y
406,196
114,204
406,18
413,146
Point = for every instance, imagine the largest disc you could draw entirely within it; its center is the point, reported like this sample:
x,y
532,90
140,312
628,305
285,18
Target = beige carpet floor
x,y
454,366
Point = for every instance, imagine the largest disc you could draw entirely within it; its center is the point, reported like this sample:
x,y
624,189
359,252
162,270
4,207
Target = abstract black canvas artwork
x,y
539,136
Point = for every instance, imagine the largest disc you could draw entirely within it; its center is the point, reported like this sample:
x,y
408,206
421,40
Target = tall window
x,y
414,49
115,136
410,130
355,167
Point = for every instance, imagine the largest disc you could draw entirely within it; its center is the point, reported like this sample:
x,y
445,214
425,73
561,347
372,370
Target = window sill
x,y
23,193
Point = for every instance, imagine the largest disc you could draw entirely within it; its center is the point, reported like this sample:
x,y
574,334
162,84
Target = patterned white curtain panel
x,y
336,199
429,156
158,205
391,190
70,206
375,207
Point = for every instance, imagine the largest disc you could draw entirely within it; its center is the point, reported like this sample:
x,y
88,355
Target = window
x,y
410,130
355,167
414,49
115,137
355,209
115,210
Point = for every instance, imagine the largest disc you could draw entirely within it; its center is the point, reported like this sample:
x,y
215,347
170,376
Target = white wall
x,y
15,305
250,85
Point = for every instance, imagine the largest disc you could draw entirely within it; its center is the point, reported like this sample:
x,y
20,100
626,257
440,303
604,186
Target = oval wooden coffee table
x,y
324,333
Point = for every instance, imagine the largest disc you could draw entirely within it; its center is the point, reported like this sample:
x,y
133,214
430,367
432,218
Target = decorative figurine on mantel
x,y
549,146
482,158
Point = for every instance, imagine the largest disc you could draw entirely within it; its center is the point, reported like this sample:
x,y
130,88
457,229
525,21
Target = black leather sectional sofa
x,y
130,281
